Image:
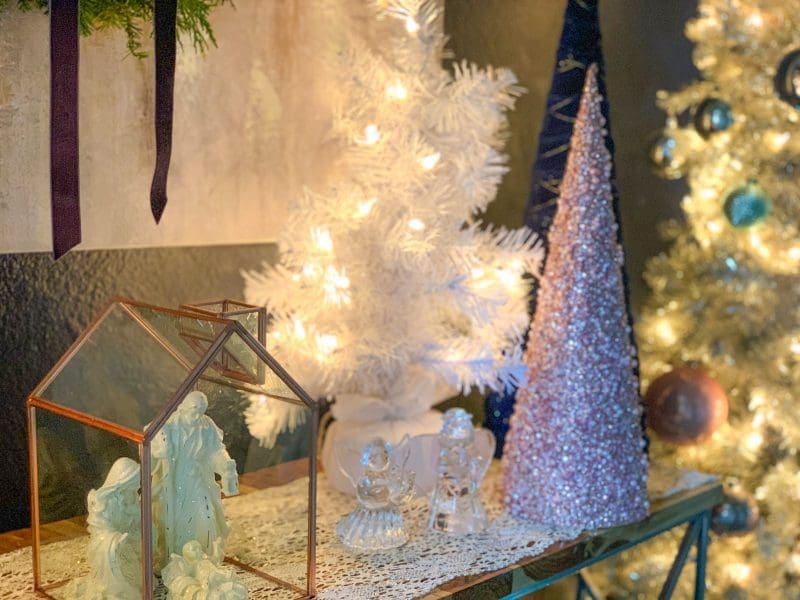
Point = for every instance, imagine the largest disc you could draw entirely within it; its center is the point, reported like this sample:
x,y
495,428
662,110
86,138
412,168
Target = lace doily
x,y
267,533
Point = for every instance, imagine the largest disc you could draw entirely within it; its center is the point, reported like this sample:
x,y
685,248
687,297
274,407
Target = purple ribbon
x,y
165,15
64,159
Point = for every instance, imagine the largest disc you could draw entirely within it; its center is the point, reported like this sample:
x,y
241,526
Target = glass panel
x,y
72,460
121,373
249,321
188,336
269,440
237,365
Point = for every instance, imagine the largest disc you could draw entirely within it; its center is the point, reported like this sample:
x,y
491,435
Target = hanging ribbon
x,y
64,159
165,15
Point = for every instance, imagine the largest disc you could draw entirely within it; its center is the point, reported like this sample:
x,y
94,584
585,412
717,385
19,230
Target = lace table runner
x,y
265,534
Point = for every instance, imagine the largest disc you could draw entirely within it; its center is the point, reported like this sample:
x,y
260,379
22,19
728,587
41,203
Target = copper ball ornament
x,y
736,515
685,406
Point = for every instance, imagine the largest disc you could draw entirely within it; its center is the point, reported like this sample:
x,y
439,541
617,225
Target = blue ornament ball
x,y
712,115
665,158
747,206
787,79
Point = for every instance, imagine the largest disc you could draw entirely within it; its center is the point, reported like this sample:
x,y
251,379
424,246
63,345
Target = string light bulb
x,y
396,91
334,286
412,26
430,161
327,343
506,277
365,207
416,224
322,238
665,332
299,330
371,135
776,140
310,270
753,441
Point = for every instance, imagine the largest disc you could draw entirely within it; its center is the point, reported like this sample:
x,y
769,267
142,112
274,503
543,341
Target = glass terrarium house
x,y
99,424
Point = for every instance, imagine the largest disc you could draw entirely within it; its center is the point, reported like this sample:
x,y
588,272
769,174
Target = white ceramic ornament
x,y
195,575
383,485
461,464
187,504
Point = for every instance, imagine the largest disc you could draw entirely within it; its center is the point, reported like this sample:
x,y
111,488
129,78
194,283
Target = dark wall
x,y
45,305
645,50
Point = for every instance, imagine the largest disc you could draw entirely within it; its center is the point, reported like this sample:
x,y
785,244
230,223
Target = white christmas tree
x,y
389,287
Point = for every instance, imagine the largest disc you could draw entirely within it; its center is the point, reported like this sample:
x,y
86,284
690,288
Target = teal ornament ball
x,y
664,157
712,115
747,206
787,79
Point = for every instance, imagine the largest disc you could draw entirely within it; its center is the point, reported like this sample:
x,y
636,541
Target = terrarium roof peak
x,y
132,366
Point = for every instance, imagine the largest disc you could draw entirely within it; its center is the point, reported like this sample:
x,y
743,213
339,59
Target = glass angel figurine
x,y
464,455
385,484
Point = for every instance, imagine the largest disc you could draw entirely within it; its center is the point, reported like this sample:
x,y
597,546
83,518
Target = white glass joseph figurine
x,y
187,504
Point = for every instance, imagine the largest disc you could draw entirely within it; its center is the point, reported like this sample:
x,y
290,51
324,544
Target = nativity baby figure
x,y
194,575
188,453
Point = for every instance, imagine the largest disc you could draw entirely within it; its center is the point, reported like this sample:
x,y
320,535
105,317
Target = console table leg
x,y
585,588
689,539
702,556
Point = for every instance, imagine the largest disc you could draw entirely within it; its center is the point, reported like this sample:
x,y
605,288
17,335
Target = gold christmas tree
x,y
725,295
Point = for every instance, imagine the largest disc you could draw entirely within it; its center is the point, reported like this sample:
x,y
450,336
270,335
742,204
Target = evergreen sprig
x,y
128,16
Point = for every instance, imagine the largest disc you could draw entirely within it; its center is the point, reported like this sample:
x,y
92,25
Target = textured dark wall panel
x,y
645,50
45,305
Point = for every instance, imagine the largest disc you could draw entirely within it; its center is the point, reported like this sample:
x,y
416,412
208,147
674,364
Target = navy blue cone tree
x,y
578,48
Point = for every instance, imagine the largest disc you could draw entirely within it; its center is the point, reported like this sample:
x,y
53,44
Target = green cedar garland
x,y
128,15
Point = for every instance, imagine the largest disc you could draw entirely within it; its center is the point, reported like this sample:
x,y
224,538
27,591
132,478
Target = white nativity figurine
x,y
188,453
384,485
114,549
464,456
195,575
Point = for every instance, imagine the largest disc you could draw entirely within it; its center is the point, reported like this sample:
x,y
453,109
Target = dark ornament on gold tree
x,y
711,116
736,515
664,157
787,79
747,206
685,406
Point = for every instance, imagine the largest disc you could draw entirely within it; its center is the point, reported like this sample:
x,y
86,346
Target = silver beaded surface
x,y
575,451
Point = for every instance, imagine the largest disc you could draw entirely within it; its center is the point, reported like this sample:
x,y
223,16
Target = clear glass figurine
x,y
383,486
455,505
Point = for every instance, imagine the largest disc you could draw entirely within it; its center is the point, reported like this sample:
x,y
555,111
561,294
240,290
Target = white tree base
x,y
355,435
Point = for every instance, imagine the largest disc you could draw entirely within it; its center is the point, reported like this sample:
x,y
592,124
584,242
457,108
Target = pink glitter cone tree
x,y
575,451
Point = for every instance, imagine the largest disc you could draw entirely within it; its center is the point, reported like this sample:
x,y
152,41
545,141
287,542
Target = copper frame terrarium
x,y
110,395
